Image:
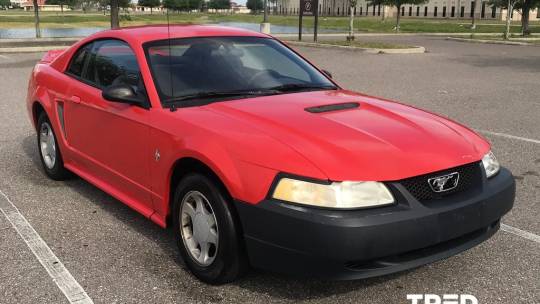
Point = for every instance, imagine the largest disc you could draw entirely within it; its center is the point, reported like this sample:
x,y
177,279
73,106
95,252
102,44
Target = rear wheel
x,y
50,155
207,234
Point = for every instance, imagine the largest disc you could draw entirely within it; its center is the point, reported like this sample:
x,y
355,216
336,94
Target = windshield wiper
x,y
218,94
289,87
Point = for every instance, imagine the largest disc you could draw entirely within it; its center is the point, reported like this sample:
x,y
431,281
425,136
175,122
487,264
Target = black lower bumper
x,y
356,244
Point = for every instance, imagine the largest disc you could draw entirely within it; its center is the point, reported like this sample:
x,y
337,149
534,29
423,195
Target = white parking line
x,y
536,141
522,233
56,270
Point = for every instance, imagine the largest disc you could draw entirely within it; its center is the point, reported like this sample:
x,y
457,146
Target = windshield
x,y
218,68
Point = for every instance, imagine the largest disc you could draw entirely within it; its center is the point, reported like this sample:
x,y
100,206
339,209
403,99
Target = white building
x,y
18,2
457,9
147,10
239,8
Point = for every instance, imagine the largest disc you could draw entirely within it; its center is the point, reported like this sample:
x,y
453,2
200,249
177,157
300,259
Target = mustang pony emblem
x,y
444,182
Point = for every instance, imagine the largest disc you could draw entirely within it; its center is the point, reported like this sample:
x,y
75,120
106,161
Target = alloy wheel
x,y
198,227
47,145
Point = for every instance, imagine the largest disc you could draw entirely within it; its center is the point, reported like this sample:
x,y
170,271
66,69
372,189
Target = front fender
x,y
244,180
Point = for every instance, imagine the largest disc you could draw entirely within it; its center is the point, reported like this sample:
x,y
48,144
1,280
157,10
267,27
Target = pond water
x,y
85,31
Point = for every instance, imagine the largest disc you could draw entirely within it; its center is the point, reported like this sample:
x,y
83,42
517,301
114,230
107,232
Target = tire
x,y
227,261
51,157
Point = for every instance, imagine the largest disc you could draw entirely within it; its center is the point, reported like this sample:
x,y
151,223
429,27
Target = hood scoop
x,y
333,107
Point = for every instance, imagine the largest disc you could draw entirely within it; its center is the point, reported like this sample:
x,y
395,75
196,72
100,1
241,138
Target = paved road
x,y
118,256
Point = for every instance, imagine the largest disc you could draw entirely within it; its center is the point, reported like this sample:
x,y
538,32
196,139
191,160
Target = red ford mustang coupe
x,y
256,157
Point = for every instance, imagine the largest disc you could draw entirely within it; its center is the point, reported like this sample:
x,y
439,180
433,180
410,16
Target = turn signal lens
x,y
491,165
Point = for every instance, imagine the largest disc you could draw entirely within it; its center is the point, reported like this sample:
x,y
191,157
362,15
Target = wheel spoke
x,y
188,209
199,203
192,242
205,247
212,237
211,220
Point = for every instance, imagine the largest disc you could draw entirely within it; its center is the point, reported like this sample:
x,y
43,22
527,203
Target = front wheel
x,y
49,152
207,234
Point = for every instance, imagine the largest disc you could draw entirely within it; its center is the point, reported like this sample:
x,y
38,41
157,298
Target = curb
x,y
48,39
375,34
413,50
484,41
32,49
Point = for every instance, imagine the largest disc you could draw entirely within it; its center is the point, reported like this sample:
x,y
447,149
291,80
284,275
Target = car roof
x,y
138,35
142,34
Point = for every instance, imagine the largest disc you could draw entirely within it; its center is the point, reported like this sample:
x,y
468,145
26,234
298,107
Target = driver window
x,y
113,62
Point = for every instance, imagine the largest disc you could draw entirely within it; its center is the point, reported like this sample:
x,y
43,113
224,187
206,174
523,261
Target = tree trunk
x,y
525,12
351,25
508,15
62,12
36,18
473,24
398,18
115,22
151,11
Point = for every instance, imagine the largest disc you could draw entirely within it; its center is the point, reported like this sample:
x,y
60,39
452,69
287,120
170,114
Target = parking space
x,y
118,256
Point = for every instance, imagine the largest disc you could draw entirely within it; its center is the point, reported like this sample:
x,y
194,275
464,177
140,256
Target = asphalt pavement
x,y
118,256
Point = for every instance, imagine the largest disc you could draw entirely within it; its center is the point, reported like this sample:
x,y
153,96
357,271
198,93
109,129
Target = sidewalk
x,y
44,44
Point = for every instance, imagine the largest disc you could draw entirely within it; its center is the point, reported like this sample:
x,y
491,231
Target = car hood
x,y
378,140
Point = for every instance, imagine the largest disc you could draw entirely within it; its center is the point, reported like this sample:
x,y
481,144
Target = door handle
x,y
75,99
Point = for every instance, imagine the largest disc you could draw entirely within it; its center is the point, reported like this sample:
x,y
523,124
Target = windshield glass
x,y
224,67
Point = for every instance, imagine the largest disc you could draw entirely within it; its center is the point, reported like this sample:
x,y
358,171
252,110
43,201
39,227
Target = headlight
x,y
342,195
491,165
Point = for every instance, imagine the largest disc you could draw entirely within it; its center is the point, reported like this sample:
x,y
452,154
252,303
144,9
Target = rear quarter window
x,y
76,65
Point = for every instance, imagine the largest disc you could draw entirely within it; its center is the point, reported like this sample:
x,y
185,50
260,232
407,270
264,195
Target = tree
x,y
169,4
150,3
124,3
352,6
115,20
473,22
219,4
524,6
397,4
183,5
62,3
255,5
525,12
36,18
4,3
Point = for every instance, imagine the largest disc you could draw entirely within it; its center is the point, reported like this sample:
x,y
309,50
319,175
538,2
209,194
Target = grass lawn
x,y
518,38
18,19
363,44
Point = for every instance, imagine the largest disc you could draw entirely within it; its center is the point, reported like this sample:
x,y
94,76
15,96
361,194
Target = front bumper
x,y
357,244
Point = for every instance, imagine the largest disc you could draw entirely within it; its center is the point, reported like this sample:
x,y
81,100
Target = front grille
x,y
470,175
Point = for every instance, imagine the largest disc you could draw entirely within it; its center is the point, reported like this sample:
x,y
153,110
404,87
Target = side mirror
x,y
123,93
325,72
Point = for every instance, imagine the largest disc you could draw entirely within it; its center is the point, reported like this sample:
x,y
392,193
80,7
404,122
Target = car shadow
x,y
302,289
256,281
